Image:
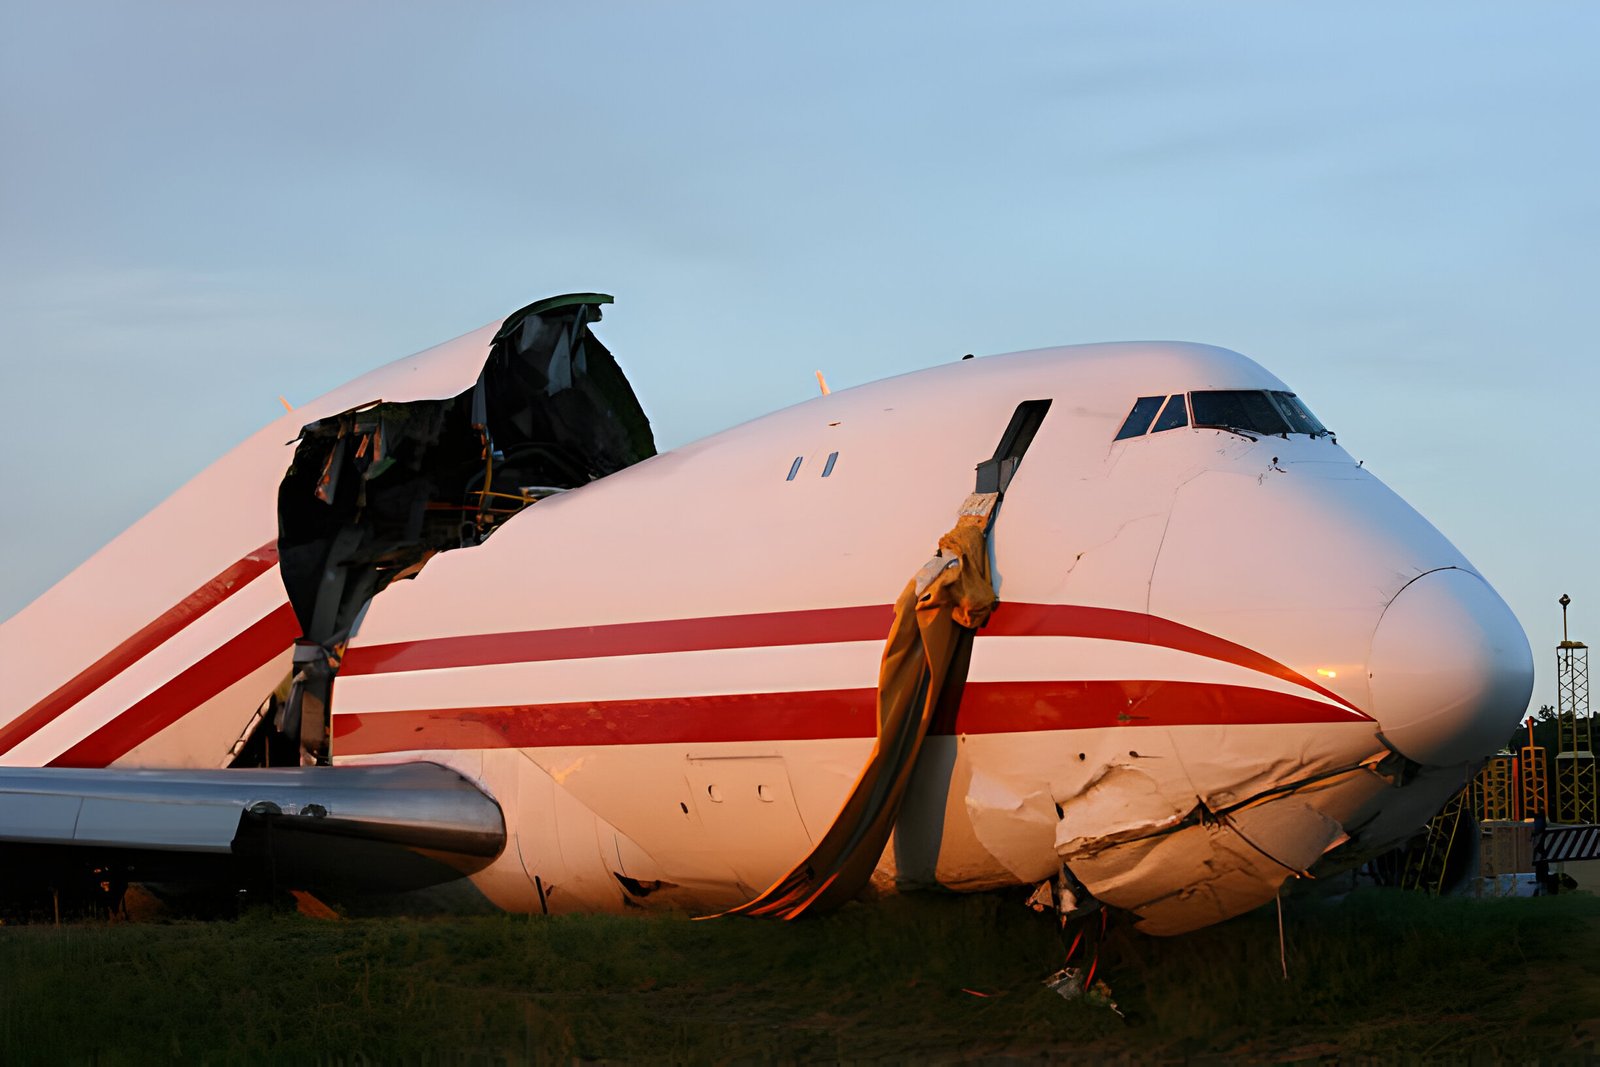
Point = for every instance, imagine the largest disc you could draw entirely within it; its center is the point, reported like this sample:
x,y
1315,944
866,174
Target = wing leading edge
x,y
333,829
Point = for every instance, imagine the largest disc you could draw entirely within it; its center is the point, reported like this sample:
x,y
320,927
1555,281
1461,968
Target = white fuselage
x,y
1215,660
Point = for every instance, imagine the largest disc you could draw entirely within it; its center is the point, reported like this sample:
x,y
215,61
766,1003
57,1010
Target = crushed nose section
x,y
375,491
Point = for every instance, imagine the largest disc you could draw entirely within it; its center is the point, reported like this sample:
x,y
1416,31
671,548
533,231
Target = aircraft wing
x,y
336,829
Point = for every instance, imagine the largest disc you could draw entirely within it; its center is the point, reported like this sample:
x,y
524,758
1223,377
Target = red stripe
x,y
244,652
175,619
764,630
1021,707
994,707
1111,624
986,708
817,626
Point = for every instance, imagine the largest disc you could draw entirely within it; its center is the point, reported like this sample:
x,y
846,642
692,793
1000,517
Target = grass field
x,y
1380,975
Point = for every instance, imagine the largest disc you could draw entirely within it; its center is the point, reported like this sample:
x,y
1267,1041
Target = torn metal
x,y
376,490
1178,873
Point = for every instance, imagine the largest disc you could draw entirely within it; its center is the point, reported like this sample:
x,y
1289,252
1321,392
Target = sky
x,y
1392,207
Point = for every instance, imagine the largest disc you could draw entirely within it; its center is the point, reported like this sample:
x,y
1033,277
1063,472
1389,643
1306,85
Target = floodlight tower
x,y
1576,794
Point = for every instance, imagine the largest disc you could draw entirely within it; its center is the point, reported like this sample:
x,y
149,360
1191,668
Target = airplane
x,y
456,629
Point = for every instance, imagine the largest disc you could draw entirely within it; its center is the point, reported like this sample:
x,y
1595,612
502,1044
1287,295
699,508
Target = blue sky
x,y
1392,207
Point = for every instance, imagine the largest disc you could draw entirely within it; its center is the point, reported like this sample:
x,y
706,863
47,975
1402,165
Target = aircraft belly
x,y
1143,814
720,821
1212,869
702,826
1205,873
746,808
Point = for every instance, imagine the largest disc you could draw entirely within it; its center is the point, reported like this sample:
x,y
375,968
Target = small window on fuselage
x,y
1173,416
1138,421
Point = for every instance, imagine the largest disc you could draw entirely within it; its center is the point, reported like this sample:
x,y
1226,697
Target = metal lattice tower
x,y
1535,775
1492,790
1577,798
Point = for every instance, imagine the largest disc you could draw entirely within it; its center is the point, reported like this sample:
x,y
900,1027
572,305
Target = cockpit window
x,y
1300,418
1246,411
1173,416
1138,421
1251,412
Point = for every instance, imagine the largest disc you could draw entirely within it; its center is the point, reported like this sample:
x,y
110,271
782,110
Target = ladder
x,y
1427,863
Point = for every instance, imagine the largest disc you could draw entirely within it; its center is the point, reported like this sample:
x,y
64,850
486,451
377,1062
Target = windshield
x,y
1138,421
1254,411
1246,411
1300,418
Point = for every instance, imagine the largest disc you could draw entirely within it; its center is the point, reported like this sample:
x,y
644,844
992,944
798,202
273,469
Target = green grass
x,y
1379,975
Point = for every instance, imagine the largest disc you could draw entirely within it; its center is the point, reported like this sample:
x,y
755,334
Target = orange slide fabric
x,y
927,653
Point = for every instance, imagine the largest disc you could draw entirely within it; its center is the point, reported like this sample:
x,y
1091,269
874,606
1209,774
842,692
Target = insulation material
x,y
935,616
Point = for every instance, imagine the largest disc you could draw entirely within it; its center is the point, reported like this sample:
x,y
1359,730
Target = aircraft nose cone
x,y
1451,671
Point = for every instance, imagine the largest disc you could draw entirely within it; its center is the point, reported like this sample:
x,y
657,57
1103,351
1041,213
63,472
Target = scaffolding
x,y
1535,792
1492,789
1577,798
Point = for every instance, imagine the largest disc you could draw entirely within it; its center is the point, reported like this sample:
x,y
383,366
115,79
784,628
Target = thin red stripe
x,y
763,630
243,653
175,619
986,708
838,713
1112,624
817,626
